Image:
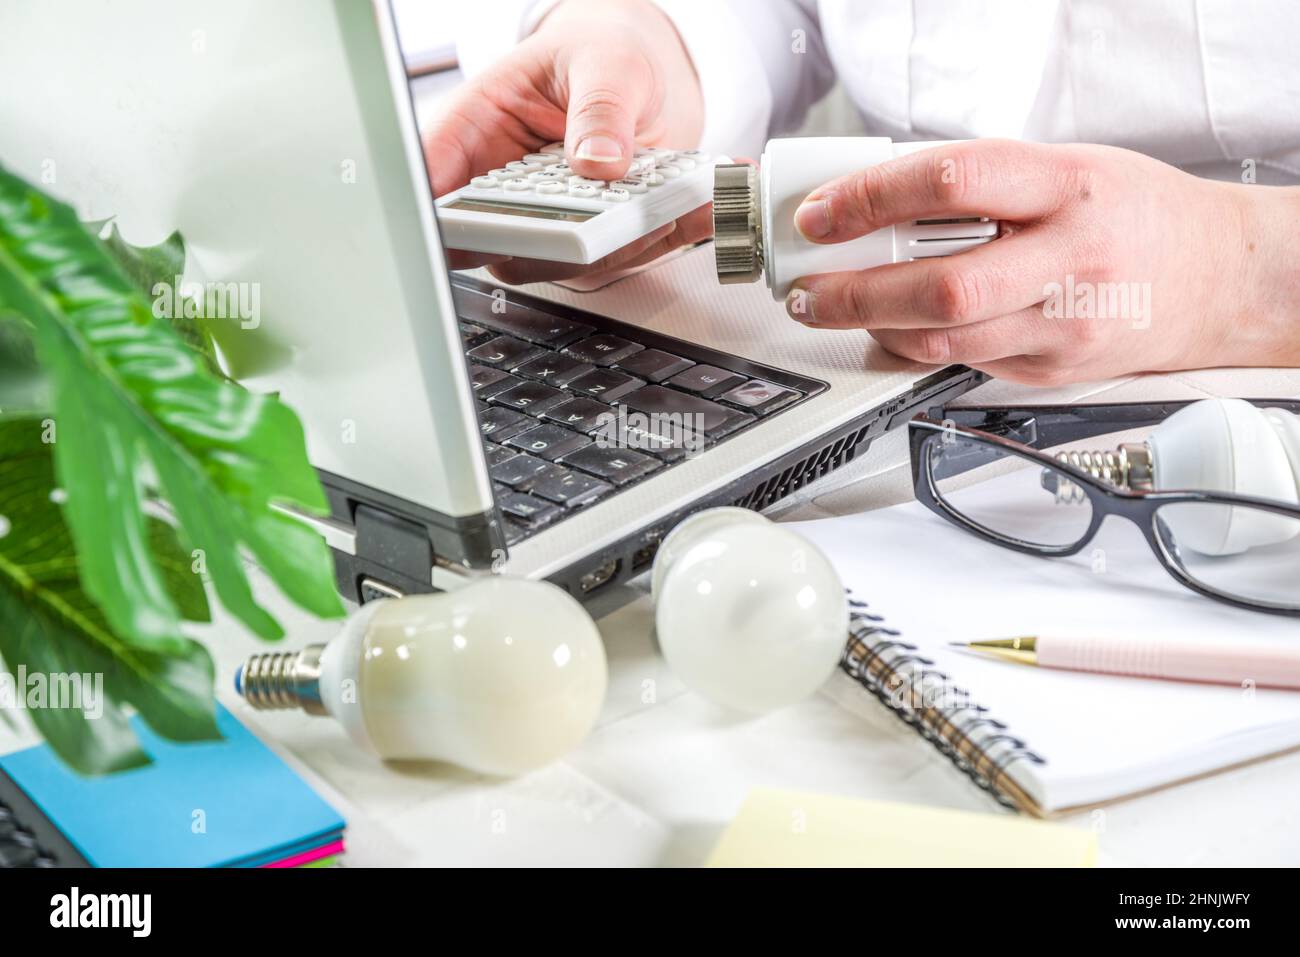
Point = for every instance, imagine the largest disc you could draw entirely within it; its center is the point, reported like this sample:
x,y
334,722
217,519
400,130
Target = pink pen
x,y
1232,663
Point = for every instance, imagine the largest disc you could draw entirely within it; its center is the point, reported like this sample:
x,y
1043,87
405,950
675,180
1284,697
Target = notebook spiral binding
x,y
925,699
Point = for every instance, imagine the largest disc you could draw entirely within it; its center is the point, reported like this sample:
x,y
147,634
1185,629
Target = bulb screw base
x,y
1129,467
283,680
737,224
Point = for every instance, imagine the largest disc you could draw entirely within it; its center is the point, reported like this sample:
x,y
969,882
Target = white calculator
x,y
537,207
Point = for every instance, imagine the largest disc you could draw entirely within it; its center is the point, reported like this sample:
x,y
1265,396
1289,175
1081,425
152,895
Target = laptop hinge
x,y
394,557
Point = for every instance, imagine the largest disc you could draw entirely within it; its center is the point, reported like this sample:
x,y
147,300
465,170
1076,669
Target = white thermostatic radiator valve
x,y
753,214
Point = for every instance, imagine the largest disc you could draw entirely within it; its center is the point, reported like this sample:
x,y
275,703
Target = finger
x,y
1003,179
606,98
519,271
464,259
1024,333
984,282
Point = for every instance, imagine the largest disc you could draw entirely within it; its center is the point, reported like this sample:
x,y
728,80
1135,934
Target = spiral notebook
x,y
1042,741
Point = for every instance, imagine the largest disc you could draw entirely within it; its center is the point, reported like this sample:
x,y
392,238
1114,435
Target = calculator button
x,y
517,185
618,466
548,441
500,424
581,191
581,415
552,149
698,155
615,195
759,396
523,166
531,397
603,350
658,152
503,352
668,171
484,182
707,381
652,179
654,365
562,169
546,159
631,185
683,163
551,188
569,488
606,384
546,176
503,174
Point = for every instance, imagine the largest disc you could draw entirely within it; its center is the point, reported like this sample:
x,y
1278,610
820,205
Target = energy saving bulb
x,y
749,614
753,214
501,676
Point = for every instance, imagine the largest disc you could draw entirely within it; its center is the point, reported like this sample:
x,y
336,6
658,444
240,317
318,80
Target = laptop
x,y
281,140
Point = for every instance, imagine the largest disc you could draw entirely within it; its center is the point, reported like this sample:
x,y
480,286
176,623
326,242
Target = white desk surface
x,y
664,771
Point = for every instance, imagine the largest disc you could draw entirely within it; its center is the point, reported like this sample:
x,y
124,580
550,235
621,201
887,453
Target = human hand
x,y
1109,262
598,75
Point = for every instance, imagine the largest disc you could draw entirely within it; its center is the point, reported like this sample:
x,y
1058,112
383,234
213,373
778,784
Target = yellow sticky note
x,y
792,829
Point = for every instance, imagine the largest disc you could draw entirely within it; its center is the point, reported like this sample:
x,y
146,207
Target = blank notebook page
x,y
1102,736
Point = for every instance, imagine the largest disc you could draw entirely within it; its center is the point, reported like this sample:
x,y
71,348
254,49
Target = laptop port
x,y
598,576
644,556
372,589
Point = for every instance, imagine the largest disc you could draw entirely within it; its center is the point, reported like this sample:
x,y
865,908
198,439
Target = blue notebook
x,y
205,804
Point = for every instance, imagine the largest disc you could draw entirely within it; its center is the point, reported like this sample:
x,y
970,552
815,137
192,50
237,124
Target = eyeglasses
x,y
982,469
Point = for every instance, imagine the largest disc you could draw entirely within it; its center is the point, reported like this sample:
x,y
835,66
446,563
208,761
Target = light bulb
x,y
748,614
501,676
1215,445
753,214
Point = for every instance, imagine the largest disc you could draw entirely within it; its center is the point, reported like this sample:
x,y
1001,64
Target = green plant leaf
x,y
136,411
52,628
148,268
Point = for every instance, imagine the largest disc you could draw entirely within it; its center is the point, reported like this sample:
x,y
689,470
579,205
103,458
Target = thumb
x,y
606,97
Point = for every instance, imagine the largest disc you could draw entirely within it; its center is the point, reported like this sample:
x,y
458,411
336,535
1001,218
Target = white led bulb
x,y
753,215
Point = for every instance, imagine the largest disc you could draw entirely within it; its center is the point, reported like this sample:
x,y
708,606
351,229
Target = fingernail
x,y
799,304
599,149
813,218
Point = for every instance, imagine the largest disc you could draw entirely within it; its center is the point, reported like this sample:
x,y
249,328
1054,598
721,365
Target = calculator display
x,y
520,209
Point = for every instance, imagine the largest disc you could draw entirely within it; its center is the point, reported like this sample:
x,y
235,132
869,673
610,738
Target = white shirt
x,y
1207,85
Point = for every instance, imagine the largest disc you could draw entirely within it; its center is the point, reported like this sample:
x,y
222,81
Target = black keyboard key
x,y
618,466
760,397
554,369
581,415
695,414
471,335
500,424
18,853
538,327
487,381
531,397
527,510
570,488
496,454
604,349
518,470
504,352
707,381
654,365
608,385
548,441
514,531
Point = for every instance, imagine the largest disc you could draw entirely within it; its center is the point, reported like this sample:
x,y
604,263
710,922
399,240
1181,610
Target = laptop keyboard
x,y
575,410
